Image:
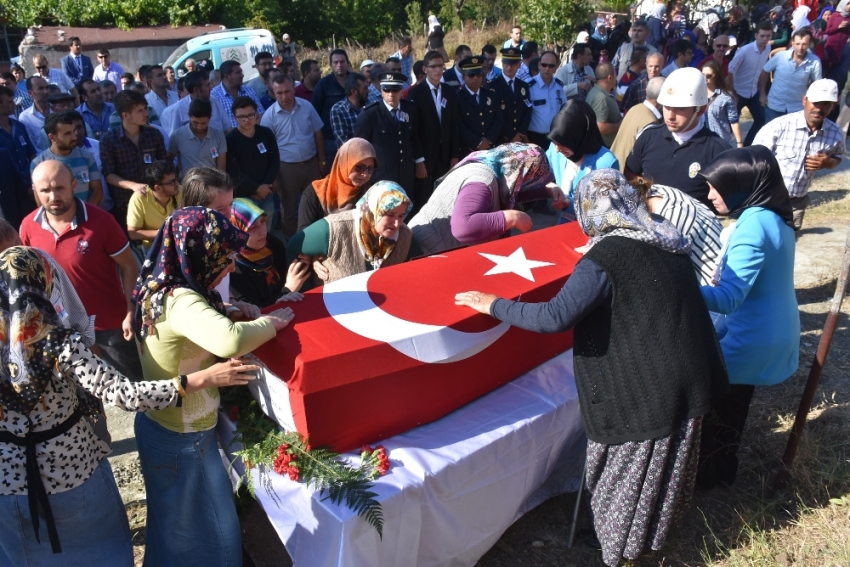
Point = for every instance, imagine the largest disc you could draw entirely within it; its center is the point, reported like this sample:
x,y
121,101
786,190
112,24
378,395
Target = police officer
x,y
480,109
673,153
514,94
547,97
390,125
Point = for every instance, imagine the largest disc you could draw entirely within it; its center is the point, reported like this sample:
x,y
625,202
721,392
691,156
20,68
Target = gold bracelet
x,y
178,383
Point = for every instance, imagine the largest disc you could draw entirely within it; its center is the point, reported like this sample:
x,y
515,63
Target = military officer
x,y
480,109
547,97
514,94
390,125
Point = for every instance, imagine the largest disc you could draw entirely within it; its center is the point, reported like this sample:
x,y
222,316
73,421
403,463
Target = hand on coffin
x,y
517,219
280,318
234,372
291,296
481,302
559,200
246,312
297,274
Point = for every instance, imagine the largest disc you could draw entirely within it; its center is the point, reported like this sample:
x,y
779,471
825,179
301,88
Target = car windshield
x,y
178,53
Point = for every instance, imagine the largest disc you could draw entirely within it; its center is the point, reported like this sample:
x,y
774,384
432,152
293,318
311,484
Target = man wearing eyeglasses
x,y
547,96
107,70
438,127
54,77
253,158
147,212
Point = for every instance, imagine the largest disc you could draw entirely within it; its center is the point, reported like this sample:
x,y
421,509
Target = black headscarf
x,y
749,177
575,127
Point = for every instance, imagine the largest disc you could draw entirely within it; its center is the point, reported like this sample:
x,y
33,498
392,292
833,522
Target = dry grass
x,y
474,38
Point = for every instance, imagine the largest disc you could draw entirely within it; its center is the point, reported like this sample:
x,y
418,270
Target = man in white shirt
x,y
197,84
160,96
746,68
54,77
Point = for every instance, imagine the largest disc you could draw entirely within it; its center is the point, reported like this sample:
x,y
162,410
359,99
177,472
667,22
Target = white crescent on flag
x,y
348,302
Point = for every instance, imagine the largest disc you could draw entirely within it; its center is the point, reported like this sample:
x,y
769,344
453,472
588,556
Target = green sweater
x,y
190,334
315,239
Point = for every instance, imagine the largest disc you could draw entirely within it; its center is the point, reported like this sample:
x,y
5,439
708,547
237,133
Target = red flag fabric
x,y
376,354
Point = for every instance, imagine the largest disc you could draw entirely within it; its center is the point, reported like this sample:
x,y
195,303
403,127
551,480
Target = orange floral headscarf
x,y
336,190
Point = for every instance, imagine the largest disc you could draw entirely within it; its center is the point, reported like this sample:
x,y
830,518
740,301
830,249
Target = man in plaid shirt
x,y
405,55
805,142
231,88
127,150
636,93
344,113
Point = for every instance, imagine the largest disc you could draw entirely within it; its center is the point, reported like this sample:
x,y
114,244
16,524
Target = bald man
x,y
88,244
720,45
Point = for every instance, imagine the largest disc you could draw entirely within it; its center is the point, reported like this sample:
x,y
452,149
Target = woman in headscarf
x,y
577,149
754,288
54,463
370,236
819,31
837,33
351,171
182,326
781,27
261,266
800,18
436,36
474,202
634,288
737,25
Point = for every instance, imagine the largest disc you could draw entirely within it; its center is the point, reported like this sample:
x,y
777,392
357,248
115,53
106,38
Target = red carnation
x,y
293,473
234,413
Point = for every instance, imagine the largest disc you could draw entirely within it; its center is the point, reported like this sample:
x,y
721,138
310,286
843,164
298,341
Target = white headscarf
x,y
432,23
799,18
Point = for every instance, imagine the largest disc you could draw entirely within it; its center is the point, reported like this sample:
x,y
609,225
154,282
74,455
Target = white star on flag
x,y
516,263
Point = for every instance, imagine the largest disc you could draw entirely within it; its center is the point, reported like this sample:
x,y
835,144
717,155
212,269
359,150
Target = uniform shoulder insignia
x,y
559,81
532,82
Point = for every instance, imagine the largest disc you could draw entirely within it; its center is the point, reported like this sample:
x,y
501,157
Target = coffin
x,y
373,355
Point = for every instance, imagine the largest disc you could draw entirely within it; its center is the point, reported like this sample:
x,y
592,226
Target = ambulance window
x,y
197,56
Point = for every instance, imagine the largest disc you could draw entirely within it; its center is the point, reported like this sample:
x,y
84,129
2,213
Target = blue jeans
x,y
770,114
757,111
90,520
191,513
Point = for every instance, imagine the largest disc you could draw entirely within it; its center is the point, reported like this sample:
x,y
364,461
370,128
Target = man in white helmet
x,y
674,152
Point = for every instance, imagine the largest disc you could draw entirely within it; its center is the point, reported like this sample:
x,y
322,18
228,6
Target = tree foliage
x,y
553,21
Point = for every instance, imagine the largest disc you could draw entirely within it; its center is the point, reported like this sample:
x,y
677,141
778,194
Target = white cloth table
x,y
455,484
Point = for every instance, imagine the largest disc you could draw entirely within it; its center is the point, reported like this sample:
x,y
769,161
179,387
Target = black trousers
x,y
721,437
424,188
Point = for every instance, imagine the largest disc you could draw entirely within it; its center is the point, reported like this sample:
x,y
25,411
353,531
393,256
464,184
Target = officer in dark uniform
x,y
480,109
515,97
390,125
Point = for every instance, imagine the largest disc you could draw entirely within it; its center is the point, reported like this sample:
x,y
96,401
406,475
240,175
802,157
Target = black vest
x,y
649,358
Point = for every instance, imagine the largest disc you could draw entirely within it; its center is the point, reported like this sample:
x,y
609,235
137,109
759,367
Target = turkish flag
x,y
376,354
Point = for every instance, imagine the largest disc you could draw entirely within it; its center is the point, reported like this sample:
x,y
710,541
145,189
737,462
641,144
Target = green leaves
x,y
263,443
553,21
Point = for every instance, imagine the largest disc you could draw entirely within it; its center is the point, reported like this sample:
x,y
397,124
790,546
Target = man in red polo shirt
x,y
89,245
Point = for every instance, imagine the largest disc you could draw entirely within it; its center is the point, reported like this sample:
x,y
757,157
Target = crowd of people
x,y
146,220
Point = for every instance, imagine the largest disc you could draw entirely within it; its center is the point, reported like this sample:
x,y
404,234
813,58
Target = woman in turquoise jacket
x,y
576,150
754,288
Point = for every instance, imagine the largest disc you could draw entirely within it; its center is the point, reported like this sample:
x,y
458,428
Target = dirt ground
x,y
747,524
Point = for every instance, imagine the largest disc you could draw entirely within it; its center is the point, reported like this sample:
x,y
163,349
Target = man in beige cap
x,y
288,48
805,142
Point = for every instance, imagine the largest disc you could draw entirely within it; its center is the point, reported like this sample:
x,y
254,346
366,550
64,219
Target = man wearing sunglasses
x,y
54,77
107,70
720,45
547,97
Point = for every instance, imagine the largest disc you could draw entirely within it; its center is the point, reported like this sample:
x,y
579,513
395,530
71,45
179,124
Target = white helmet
x,y
684,88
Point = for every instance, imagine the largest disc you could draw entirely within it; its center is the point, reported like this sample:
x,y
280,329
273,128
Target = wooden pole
x,y
816,370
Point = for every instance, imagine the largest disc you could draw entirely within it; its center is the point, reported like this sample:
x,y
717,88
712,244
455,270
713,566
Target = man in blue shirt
x,y
405,55
14,136
94,110
515,40
793,71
